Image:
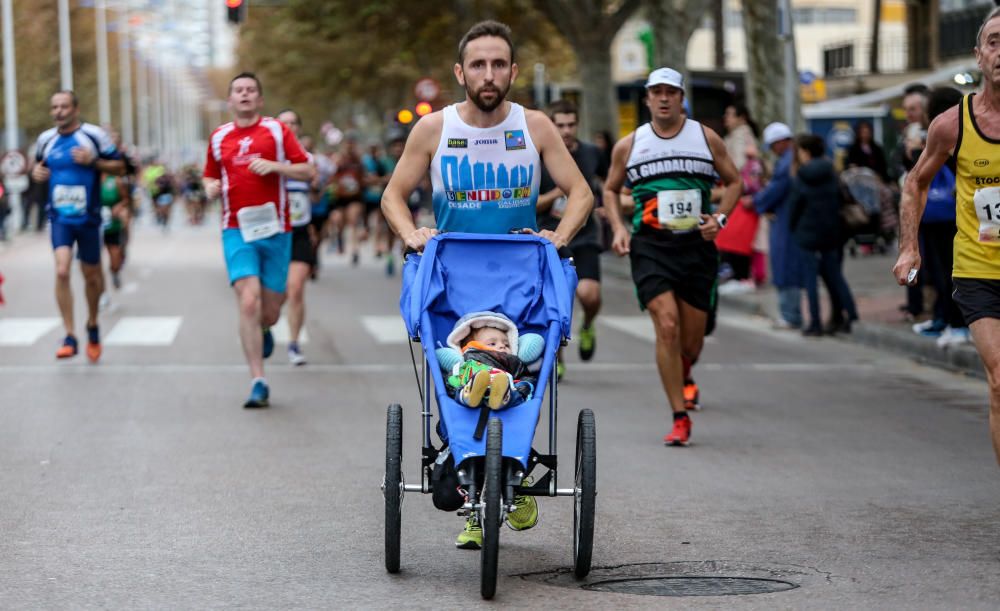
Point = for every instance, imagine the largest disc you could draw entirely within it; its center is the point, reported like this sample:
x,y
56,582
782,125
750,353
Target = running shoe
x,y
268,346
681,434
295,356
930,328
473,392
952,336
560,371
471,536
525,514
692,396
93,344
588,343
259,394
68,349
499,390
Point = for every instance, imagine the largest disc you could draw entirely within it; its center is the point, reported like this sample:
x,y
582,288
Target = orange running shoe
x,y
691,395
93,344
68,348
681,433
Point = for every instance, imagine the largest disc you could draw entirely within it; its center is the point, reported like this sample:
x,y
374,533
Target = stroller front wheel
x,y
492,500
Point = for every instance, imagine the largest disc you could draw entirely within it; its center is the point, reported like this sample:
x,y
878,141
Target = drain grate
x,y
691,585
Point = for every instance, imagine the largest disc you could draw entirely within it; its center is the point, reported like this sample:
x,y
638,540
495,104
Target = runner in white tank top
x,y
484,155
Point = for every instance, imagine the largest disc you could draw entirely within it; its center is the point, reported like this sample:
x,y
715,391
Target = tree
x,y
766,81
590,26
673,22
339,59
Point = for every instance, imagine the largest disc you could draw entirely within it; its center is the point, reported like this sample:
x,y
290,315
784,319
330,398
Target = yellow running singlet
x,y
977,182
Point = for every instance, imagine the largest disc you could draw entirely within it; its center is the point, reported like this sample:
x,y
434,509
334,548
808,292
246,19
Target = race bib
x,y
299,208
70,200
559,206
106,217
679,210
987,203
259,222
349,185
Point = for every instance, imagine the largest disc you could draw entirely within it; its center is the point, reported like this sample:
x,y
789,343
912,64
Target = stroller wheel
x,y
392,485
491,499
586,493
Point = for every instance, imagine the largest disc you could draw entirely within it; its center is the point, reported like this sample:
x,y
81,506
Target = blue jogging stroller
x,y
523,277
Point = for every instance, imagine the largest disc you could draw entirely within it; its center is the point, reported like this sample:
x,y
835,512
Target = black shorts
x,y
587,260
302,249
688,268
113,238
977,298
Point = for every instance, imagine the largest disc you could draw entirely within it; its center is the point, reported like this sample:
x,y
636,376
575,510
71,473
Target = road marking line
x,y
25,331
386,329
578,369
282,335
144,331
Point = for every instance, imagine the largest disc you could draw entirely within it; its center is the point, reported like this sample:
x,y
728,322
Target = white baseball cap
x,y
665,76
776,132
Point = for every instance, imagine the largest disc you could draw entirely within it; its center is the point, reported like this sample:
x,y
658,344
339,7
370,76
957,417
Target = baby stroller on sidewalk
x,y
876,198
523,277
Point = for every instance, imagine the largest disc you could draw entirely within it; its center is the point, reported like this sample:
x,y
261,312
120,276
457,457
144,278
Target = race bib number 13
x,y
679,210
987,203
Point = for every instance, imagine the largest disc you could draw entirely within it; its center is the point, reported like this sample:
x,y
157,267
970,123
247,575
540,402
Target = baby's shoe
x,y
499,390
472,393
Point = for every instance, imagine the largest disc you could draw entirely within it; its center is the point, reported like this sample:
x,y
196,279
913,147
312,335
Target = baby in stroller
x,y
488,359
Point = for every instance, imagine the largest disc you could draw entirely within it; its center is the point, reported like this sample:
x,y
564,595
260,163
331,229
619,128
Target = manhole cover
x,y
691,586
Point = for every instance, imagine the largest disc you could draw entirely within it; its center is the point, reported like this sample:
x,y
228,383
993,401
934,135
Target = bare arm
x,y
942,138
296,171
561,167
410,170
613,191
115,167
545,200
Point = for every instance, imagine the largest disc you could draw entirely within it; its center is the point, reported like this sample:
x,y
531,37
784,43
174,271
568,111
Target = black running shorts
x,y
302,250
977,298
587,260
689,269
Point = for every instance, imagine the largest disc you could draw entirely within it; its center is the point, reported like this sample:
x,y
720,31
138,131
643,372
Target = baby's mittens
x,y
530,347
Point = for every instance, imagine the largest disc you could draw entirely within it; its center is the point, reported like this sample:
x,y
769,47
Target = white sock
x,y
255,380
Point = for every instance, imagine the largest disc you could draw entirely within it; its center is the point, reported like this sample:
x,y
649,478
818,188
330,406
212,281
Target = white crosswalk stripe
x,y
144,331
385,329
25,331
636,326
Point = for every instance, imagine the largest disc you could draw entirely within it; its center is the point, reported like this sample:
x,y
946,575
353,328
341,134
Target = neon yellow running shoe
x,y
560,370
588,343
525,514
471,536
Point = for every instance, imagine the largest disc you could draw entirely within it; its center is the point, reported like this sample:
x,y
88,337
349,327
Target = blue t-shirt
x,y
74,189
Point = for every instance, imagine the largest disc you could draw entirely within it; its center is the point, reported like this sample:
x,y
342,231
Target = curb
x,y
962,359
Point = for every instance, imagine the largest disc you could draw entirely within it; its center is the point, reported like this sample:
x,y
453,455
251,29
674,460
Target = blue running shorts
x,y
267,259
86,235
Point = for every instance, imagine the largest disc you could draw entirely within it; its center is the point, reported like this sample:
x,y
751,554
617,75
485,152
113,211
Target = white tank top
x,y
485,180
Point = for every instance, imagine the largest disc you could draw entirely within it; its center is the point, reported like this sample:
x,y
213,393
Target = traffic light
x,y
237,10
423,108
405,116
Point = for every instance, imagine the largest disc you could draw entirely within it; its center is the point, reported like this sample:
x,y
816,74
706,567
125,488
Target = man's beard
x,y
484,106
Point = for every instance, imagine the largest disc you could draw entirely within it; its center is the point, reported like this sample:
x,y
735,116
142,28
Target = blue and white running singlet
x,y
485,180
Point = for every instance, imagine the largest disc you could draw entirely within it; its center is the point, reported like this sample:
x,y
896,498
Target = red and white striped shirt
x,y
231,149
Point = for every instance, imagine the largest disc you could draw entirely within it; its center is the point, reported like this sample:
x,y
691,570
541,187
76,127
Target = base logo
x,y
458,143
514,139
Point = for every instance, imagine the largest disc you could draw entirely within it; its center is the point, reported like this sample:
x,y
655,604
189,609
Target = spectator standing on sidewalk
x,y
937,236
816,226
866,153
786,256
736,243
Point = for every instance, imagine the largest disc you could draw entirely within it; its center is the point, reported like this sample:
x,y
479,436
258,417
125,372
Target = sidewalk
x,y
878,299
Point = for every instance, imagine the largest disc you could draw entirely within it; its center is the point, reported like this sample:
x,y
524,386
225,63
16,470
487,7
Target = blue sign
x,y
806,77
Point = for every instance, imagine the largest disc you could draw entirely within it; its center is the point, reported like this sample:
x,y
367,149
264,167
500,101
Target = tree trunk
x,y
873,59
599,94
719,25
765,60
673,22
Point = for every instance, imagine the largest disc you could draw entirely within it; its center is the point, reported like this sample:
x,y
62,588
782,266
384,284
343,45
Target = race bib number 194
x,y
679,210
987,203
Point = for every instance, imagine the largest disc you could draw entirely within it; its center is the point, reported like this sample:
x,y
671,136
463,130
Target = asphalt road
x,y
860,477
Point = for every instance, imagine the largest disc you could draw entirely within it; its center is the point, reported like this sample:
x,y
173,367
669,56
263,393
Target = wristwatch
x,y
720,218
